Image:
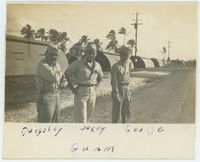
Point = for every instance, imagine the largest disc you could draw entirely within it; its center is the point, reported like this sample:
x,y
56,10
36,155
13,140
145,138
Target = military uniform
x,y
85,78
48,78
121,94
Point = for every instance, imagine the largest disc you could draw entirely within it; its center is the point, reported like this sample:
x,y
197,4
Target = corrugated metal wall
x,y
22,56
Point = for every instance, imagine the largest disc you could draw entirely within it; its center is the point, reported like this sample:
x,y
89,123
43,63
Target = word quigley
x,y
39,131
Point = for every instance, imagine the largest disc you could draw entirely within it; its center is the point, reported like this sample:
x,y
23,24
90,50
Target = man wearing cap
x,y
48,78
84,76
120,80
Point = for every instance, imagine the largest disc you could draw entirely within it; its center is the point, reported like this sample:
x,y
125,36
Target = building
x,y
22,56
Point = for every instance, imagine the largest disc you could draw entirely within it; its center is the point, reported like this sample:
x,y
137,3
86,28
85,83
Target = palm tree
x,y
111,35
41,34
122,31
131,44
164,51
28,32
63,37
98,44
53,36
84,40
112,45
77,48
62,40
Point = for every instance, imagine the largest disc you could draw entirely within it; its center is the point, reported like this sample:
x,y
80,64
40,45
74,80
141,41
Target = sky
x,y
161,22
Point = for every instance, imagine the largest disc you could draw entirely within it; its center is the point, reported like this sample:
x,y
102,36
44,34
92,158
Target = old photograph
x,y
100,80
101,63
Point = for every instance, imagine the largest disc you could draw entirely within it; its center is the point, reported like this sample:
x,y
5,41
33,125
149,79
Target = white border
x,y
2,72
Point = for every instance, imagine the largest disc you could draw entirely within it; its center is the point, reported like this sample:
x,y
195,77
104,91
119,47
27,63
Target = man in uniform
x,y
120,80
48,78
84,76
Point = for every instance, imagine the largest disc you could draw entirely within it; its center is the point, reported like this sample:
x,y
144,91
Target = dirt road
x,y
170,99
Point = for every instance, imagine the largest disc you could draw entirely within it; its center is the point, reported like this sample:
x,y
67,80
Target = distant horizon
x,y
162,22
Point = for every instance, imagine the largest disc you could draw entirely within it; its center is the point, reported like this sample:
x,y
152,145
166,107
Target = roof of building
x,y
24,40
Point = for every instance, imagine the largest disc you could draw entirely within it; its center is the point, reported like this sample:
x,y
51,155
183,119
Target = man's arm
x,y
114,82
99,76
70,75
45,72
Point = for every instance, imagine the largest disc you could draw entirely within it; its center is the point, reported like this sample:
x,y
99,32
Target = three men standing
x,y
120,80
84,76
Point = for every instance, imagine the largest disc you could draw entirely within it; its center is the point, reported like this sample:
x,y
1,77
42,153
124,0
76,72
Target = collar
x,y
45,60
123,64
84,61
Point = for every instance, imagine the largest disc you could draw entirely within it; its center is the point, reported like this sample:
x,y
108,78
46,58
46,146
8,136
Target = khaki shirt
x,y
48,77
79,72
120,74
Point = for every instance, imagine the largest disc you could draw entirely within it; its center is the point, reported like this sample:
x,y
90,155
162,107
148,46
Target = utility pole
x,y
168,58
136,30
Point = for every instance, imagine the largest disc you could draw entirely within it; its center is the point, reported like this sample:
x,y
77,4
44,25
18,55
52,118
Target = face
x,y
124,58
90,55
51,58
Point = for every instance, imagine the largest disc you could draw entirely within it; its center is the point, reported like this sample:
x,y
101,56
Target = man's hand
x,y
118,98
63,83
75,90
62,76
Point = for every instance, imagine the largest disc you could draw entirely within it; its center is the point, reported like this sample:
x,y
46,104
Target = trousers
x,y
84,104
48,107
122,106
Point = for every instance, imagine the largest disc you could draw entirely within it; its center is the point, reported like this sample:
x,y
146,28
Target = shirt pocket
x,y
124,75
83,73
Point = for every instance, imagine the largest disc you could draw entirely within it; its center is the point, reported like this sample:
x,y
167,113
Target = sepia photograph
x,y
102,66
101,63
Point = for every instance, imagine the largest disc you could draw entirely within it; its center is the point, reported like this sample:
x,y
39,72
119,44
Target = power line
x,y
136,31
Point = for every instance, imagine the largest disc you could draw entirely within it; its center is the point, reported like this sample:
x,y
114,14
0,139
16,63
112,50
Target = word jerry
x,y
94,129
39,131
76,147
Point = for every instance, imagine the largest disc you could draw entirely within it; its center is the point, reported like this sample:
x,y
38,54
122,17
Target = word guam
x,y
78,148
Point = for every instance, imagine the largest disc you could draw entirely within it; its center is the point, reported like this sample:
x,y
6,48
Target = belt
x,y
120,84
49,91
87,85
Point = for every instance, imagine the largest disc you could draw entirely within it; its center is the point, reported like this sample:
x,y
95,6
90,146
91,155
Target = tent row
x,y
106,60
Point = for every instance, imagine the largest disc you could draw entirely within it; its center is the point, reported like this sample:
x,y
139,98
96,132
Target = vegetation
x,y
122,31
28,32
60,39
52,36
113,45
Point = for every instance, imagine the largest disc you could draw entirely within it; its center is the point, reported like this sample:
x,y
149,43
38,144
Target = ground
x,y
160,95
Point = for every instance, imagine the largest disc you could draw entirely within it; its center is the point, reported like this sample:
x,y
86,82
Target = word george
x,y
76,147
148,130
94,129
38,131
